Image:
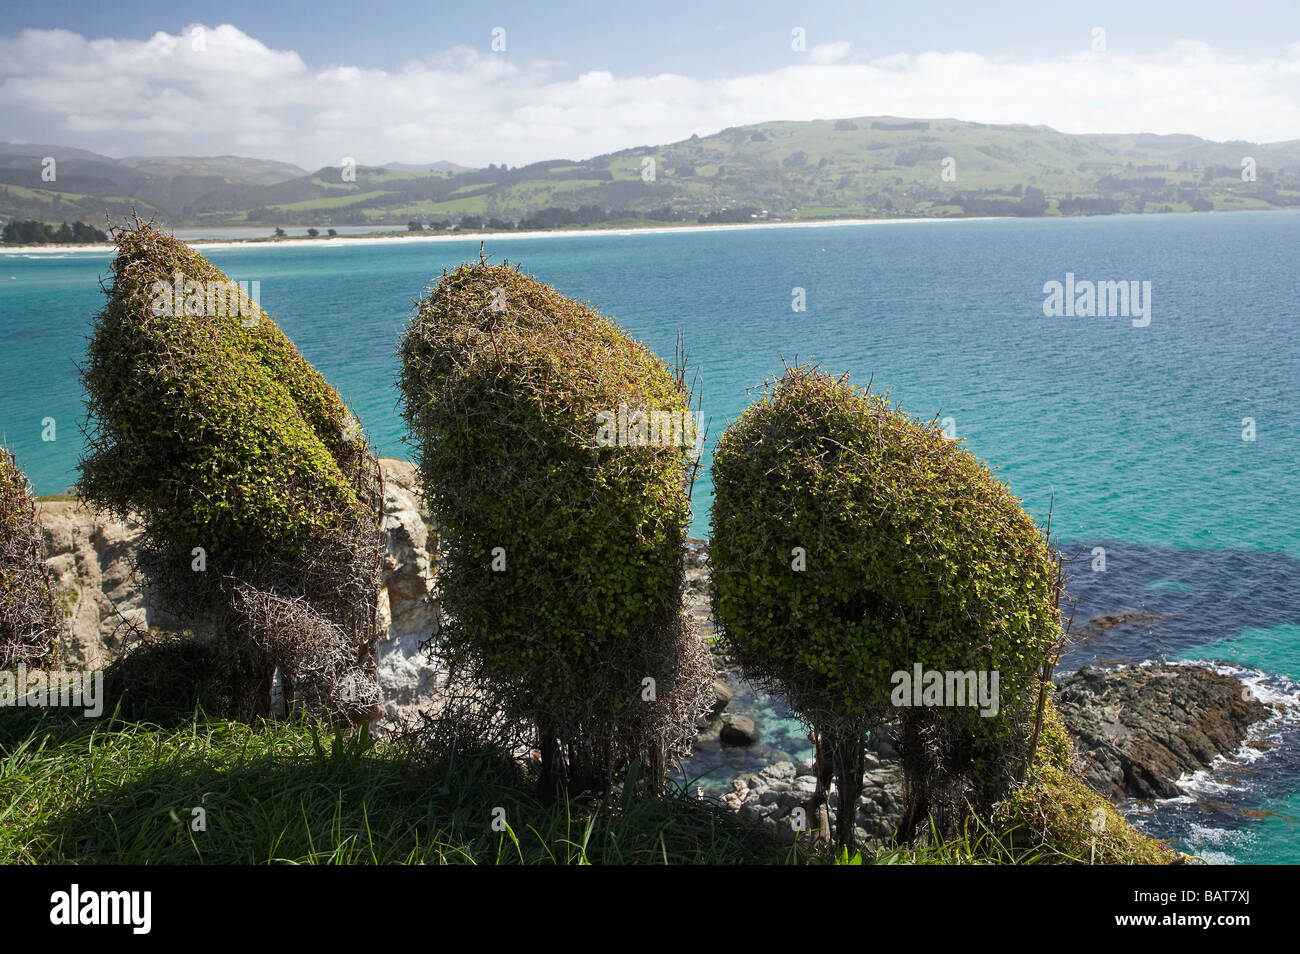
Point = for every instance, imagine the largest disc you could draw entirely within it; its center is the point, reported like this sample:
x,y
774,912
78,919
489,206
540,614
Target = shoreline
x,y
347,240
397,236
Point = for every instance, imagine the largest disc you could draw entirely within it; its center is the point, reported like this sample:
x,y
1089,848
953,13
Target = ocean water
x,y
1131,437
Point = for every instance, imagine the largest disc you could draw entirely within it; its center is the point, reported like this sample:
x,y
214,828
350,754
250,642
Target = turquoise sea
x,y
1131,436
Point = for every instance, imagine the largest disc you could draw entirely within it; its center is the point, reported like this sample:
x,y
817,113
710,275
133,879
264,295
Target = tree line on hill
x,y
555,217
32,232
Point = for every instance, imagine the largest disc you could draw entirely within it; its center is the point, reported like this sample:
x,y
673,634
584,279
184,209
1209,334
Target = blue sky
x,y
699,38
414,81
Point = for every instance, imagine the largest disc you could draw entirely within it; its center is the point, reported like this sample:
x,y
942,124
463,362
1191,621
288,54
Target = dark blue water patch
x,y
1200,595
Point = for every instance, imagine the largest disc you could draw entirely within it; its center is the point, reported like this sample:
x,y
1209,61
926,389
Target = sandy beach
x,y
340,241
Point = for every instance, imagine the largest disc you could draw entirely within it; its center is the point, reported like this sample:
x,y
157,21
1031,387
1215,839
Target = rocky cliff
x,y
93,557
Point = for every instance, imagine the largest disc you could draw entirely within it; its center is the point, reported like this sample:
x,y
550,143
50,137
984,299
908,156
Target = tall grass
x,y
118,792
113,791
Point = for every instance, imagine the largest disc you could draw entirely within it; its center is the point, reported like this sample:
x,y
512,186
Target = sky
x,y
522,82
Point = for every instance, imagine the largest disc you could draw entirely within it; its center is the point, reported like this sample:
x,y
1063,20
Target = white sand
x,y
490,236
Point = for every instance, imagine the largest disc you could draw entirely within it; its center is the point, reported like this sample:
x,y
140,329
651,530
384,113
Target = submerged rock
x,y
738,730
1108,621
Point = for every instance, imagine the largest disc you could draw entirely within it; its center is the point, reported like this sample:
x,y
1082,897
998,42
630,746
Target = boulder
x,y
722,696
781,771
738,730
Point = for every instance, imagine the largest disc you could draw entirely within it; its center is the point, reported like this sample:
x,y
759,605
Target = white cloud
x,y
217,90
828,53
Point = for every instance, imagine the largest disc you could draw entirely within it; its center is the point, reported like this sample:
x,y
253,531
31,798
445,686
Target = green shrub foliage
x,y
30,621
1054,812
913,553
207,423
562,560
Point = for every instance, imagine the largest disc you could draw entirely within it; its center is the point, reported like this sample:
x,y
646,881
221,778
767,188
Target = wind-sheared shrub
x,y
562,568
259,495
851,542
1055,813
31,622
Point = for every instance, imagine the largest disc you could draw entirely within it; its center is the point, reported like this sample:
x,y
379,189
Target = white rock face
x,y
408,607
93,557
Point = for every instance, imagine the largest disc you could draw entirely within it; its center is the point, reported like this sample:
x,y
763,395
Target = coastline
x,y
49,248
343,240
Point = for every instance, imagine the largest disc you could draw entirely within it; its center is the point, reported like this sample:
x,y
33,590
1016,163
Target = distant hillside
x,y
230,168
861,167
443,166
58,152
87,185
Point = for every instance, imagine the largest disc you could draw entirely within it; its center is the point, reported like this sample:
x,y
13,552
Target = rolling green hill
x,y
231,168
862,167
86,185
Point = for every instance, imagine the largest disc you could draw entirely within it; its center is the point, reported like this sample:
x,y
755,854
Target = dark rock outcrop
x,y
1136,730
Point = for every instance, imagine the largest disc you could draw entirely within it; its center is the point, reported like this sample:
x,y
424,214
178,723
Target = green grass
x,y
123,793
330,202
108,791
